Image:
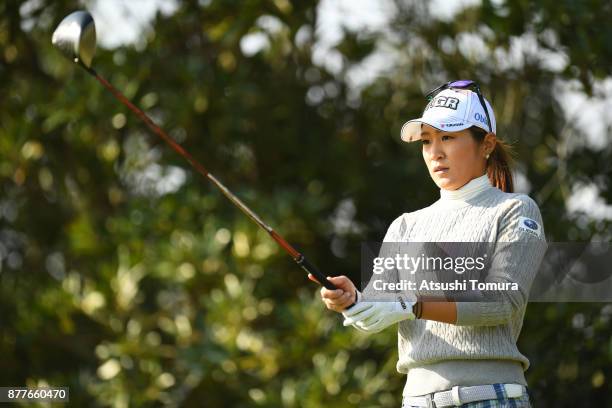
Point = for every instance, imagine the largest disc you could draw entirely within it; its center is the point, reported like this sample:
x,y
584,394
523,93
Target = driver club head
x,y
75,37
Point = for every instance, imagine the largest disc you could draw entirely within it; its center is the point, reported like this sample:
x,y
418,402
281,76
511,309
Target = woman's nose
x,y
436,151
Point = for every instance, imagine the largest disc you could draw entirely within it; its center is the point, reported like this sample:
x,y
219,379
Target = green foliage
x,y
139,293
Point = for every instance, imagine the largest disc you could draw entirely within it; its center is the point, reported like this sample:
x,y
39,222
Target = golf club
x,y
75,37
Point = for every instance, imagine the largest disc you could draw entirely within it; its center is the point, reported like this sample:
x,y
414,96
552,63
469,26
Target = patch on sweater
x,y
530,226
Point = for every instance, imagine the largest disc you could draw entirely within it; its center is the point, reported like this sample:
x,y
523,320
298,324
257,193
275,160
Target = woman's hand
x,y
341,298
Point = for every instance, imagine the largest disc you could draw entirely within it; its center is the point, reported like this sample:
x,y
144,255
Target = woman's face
x,y
452,158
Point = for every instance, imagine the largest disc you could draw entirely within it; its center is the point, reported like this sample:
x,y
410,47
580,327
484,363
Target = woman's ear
x,y
489,142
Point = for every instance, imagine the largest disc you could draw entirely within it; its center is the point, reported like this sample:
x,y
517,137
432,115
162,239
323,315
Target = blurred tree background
x,y
128,278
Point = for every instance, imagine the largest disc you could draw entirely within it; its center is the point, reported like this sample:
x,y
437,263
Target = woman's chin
x,y
445,183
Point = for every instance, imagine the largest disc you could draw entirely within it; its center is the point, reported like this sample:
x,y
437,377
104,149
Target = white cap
x,y
451,110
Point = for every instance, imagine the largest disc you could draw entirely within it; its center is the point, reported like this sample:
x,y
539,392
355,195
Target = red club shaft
x,y
295,254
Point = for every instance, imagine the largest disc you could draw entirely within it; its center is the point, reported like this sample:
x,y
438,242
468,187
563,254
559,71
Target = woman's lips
x,y
440,169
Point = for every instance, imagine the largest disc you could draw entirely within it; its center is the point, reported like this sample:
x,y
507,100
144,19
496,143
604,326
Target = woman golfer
x,y
460,353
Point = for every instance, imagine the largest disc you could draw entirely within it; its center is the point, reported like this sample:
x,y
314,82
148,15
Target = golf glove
x,y
373,317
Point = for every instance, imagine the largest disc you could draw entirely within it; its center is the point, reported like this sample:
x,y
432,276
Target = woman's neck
x,y
469,190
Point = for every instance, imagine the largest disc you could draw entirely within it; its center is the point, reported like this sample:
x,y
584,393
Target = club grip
x,y
310,268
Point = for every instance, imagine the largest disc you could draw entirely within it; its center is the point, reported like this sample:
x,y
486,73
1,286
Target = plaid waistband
x,y
501,400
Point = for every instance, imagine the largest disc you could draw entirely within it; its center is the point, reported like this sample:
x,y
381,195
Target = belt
x,y
462,395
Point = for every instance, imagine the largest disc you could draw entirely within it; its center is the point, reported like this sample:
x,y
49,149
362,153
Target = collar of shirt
x,y
468,191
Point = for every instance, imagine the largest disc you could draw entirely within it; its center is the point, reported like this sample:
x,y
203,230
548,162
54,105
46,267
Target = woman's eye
x,y
425,141
446,137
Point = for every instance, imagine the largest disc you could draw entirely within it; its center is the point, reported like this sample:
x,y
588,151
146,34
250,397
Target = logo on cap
x,y
443,125
443,102
480,118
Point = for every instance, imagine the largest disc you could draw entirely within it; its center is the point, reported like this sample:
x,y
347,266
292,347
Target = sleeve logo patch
x,y
530,226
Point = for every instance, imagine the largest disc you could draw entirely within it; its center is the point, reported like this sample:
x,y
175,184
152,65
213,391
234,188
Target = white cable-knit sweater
x,y
481,347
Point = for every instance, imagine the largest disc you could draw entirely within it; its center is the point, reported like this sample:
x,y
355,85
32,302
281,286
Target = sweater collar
x,y
468,191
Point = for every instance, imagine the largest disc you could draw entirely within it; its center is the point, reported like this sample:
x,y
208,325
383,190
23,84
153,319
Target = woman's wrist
x,y
440,311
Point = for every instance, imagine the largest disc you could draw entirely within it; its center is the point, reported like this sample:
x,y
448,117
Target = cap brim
x,y
411,131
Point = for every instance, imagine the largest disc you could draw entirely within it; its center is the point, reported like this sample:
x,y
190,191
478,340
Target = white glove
x,y
373,317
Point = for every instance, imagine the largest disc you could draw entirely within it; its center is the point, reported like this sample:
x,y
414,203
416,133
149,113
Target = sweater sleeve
x,y
518,251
